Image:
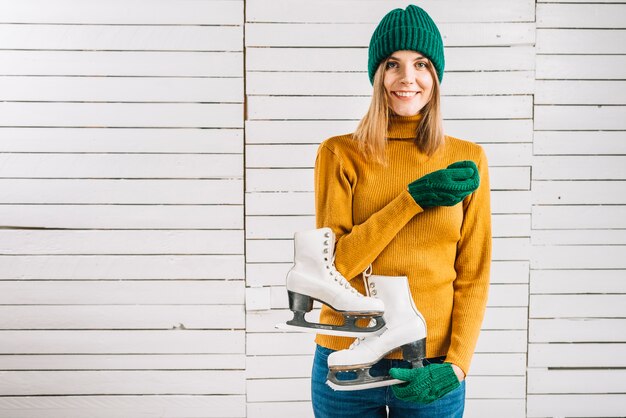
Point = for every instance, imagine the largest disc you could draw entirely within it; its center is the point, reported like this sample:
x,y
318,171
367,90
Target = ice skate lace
x,y
334,273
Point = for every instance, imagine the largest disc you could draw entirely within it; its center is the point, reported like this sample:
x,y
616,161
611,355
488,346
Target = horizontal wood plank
x,y
578,405
123,242
123,216
123,115
122,37
589,330
123,342
109,317
122,63
127,166
111,406
133,191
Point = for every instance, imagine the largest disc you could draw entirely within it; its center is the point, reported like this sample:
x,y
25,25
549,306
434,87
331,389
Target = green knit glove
x,y
446,187
426,384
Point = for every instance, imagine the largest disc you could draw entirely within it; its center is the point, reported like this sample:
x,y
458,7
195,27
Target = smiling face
x,y
408,82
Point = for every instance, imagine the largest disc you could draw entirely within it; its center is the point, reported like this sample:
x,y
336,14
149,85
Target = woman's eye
x,y
422,65
391,64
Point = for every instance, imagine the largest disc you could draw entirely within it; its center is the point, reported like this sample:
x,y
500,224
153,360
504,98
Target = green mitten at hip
x,y
446,187
426,384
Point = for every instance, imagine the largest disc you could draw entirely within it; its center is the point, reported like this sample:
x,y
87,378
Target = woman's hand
x,y
425,384
446,187
459,373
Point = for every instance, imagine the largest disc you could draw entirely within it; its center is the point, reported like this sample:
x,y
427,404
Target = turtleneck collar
x,y
403,127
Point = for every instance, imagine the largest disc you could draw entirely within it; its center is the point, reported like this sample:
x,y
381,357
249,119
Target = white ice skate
x,y
314,277
405,329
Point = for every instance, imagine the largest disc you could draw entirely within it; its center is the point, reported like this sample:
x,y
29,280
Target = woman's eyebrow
x,y
398,59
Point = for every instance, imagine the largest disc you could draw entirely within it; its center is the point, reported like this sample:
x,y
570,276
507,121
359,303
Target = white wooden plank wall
x,y
121,242
577,315
306,80
130,217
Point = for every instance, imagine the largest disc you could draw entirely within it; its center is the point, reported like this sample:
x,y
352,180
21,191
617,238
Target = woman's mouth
x,y
404,95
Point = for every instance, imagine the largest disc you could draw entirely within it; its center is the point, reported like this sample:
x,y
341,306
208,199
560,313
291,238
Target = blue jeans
x,y
373,403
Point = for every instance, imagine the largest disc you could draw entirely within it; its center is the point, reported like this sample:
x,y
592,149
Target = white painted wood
x,y
581,355
300,409
125,267
79,292
358,34
122,362
127,216
510,201
128,166
348,83
580,117
127,242
577,306
584,217
579,192
575,67
352,11
123,382
579,168
579,257
106,191
281,251
110,317
578,405
577,330
303,155
503,226
580,41
277,203
479,408
581,16
577,281
284,227
122,342
122,37
601,92
122,63
123,12
454,107
575,381
301,179
496,317
121,89
145,140
267,274
505,58
314,132
509,271
110,406
580,237
579,143
124,115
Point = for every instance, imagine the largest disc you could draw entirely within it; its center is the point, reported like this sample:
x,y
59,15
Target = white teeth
x,y
405,93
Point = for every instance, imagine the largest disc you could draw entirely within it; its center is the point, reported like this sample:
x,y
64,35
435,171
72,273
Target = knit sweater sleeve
x,y
357,245
473,262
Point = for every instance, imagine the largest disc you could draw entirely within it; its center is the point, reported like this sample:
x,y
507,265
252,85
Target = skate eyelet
x,y
327,234
372,285
374,292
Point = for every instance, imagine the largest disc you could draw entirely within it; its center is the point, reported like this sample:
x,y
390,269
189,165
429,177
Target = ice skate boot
x,y
405,329
314,277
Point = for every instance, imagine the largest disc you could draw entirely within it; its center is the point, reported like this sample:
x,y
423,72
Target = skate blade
x,y
327,331
368,385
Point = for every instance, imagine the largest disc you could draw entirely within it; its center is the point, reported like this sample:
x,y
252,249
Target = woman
x,y
383,192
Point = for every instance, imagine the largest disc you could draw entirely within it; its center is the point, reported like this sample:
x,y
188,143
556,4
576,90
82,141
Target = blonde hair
x,y
371,133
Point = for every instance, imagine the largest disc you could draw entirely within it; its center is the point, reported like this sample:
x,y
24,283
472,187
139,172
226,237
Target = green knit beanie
x,y
410,29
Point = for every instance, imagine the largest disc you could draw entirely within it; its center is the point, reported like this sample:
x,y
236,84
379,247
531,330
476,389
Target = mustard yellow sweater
x,y
444,251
